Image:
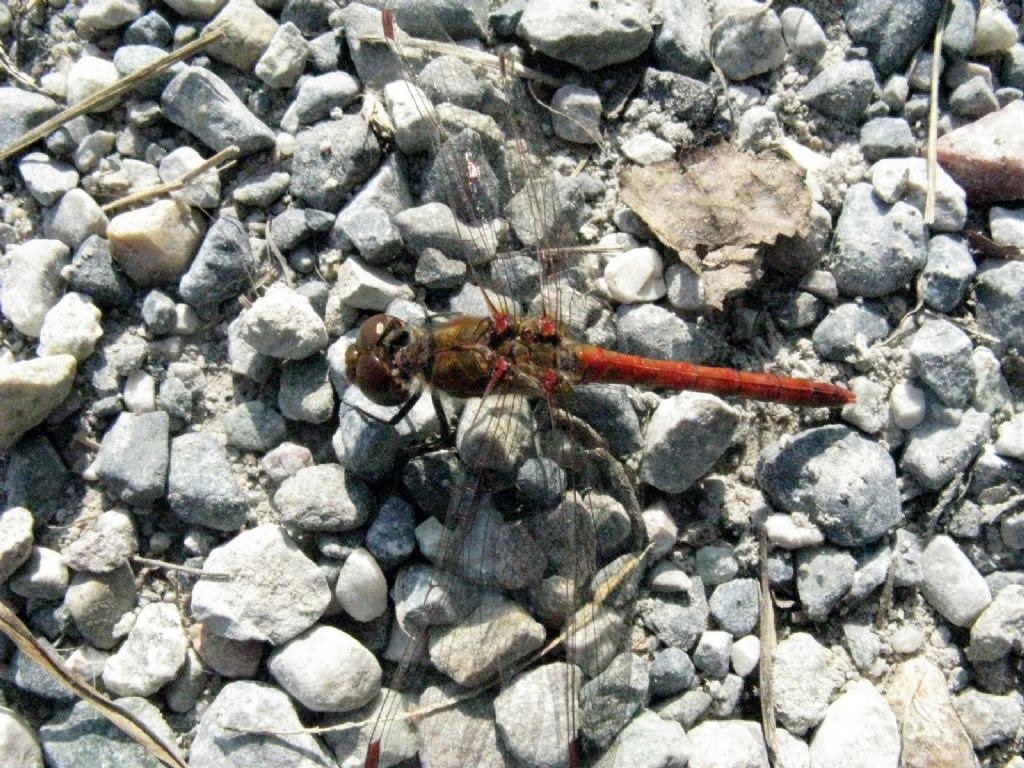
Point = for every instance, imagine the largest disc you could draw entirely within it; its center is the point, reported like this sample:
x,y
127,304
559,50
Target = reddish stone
x,y
986,157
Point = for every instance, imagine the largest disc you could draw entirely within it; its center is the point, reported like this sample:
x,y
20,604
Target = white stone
x,y
994,32
667,576
361,589
647,149
1010,442
31,282
29,391
15,540
636,275
282,63
283,324
109,14
721,743
789,532
661,529
859,731
139,392
326,670
186,321
89,75
365,287
1007,226
745,654
18,745
951,584
72,326
412,114
907,640
202,191
907,405
196,9
151,655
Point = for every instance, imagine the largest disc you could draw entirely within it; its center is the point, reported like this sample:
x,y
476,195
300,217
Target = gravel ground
x,y
172,387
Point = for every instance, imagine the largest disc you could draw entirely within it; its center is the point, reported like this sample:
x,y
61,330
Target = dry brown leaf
x,y
729,271
930,730
724,201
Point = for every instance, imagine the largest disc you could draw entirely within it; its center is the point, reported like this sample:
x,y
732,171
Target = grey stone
x,y
129,59
877,248
36,476
609,700
529,735
940,356
98,601
201,485
159,313
973,98
151,655
496,635
803,34
74,218
941,448
109,542
365,447
331,159
32,282
326,670
679,43
261,190
848,329
93,272
133,458
687,434
82,736
823,577
711,656
842,90
999,292
671,672
201,103
734,606
727,742
254,706
45,178
295,225
945,279
254,426
999,628
807,676
589,37
887,137
305,394
677,620
746,44
890,32
987,718
283,324
390,537
843,482
23,110
223,268
15,540
366,222
858,720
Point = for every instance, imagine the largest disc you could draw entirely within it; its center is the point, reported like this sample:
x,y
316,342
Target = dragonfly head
x,y
374,361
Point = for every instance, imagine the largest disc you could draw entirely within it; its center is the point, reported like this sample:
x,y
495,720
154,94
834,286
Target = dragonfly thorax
x,y
379,363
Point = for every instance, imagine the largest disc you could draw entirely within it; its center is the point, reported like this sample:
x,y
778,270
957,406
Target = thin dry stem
x,y
116,90
226,156
933,115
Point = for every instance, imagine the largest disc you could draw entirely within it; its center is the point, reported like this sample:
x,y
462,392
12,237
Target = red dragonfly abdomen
x,y
595,364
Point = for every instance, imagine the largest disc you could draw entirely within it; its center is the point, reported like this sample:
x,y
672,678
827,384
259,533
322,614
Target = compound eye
x,y
375,328
374,378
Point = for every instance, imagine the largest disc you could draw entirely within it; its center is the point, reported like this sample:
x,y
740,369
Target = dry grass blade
x,y
9,68
933,115
221,161
119,88
766,668
20,635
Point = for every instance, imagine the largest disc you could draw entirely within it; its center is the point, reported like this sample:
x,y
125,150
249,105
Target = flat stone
x,y
150,656
248,31
323,497
715,743
807,676
857,723
586,36
532,736
201,485
331,159
15,540
109,542
98,602
283,324
30,390
272,593
203,104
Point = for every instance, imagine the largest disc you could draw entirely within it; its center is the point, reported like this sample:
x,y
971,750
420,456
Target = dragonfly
x,y
519,372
